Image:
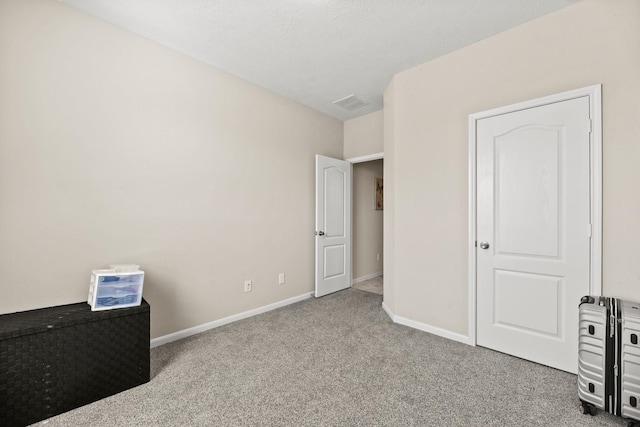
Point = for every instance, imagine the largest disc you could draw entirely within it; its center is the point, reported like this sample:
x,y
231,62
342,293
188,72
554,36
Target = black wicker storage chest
x,y
56,359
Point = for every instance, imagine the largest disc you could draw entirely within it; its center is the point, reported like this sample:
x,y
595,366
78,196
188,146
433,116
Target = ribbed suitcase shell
x,y
609,357
630,360
592,342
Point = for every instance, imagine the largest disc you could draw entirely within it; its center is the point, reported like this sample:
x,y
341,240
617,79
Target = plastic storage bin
x,y
115,289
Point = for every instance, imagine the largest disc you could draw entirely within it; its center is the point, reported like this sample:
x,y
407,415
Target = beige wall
x,y
367,222
363,135
426,148
389,220
114,149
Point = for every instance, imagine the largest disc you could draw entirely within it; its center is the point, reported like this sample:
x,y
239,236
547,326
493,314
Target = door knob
x,y
484,245
320,233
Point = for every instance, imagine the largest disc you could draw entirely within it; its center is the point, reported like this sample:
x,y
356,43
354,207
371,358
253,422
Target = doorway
x,y
334,223
367,226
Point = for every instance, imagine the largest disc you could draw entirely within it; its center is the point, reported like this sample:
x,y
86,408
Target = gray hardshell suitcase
x,y
609,357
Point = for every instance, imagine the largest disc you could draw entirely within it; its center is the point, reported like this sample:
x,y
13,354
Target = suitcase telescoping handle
x,y
587,299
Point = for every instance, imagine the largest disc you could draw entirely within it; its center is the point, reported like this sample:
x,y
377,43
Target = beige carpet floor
x,y
337,361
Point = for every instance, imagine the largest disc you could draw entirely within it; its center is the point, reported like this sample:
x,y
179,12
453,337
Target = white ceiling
x,y
318,51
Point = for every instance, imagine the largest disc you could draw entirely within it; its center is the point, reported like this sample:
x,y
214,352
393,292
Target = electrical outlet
x,y
247,286
281,279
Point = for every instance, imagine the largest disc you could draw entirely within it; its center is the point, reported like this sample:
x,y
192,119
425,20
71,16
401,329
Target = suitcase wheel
x,y
632,423
589,409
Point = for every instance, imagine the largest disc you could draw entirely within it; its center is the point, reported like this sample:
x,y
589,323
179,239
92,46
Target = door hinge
x,y
590,126
589,230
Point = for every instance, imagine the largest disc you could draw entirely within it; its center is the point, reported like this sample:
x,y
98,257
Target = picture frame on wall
x,y
379,193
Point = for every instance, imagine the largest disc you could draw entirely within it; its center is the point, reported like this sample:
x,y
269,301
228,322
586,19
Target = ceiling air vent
x,y
351,103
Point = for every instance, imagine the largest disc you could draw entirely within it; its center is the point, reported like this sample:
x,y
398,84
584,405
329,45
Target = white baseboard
x,y
388,311
165,339
367,277
427,328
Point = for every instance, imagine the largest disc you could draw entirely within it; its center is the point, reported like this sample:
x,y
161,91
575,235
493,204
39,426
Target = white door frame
x,y
595,170
367,158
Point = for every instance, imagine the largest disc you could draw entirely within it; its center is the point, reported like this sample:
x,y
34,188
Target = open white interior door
x,y
333,225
